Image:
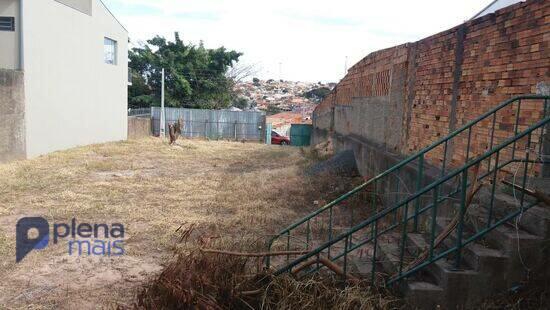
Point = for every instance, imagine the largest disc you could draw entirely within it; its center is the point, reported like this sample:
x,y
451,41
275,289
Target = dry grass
x,y
534,295
197,280
221,188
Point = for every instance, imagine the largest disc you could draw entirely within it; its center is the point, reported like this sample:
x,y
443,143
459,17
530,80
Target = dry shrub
x,y
323,292
198,280
535,295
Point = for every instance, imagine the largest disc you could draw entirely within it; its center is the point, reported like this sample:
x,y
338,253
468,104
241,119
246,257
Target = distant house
x,y
282,122
495,6
63,76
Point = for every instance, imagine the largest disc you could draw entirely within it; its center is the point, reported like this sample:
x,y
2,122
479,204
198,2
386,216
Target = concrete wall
x,y
12,115
9,41
72,96
368,102
440,83
322,125
139,127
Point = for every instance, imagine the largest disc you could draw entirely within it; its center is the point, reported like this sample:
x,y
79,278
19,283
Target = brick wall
x,y
456,75
371,77
506,54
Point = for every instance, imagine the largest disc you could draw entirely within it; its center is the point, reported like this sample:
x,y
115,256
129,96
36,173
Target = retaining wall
x,y
12,115
139,127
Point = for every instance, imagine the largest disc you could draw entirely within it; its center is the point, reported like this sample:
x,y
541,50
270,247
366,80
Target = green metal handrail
x,y
420,158
435,186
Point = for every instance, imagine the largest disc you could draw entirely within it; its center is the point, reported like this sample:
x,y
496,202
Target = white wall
x,y
9,41
495,6
84,6
73,97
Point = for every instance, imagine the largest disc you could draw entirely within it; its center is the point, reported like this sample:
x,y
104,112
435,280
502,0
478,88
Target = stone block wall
x,y
139,127
12,115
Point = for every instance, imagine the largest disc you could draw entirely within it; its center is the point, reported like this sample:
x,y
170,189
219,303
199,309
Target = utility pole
x,y
280,71
162,114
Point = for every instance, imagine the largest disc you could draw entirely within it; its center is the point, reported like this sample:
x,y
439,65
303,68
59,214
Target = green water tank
x,y
300,134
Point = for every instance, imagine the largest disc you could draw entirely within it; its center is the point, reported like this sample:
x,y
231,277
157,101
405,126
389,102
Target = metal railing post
x,y
434,221
460,227
418,188
493,188
526,167
516,128
329,230
403,239
374,252
346,256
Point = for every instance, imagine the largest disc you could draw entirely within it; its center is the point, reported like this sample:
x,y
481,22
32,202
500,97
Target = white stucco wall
x,y
9,41
84,6
495,6
72,97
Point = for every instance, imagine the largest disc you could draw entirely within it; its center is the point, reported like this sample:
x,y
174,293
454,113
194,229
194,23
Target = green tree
x,y
241,103
317,94
273,109
195,76
140,94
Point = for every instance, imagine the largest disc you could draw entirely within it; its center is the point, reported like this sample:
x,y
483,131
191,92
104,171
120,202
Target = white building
x,y
495,6
63,76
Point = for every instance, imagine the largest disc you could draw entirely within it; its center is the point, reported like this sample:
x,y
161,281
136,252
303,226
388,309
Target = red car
x,y
278,139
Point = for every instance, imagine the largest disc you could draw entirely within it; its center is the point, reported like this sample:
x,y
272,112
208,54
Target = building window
x,y
110,51
7,23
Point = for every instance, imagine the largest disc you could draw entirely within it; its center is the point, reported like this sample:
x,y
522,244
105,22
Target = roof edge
x,y
113,15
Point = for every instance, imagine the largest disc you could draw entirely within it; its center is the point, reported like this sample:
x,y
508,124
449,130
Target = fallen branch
x,y
535,193
324,261
330,265
252,293
264,254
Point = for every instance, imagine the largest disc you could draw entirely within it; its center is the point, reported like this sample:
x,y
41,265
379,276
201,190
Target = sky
x,y
298,40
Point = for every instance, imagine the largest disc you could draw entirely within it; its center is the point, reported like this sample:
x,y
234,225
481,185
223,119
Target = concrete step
x,y
442,270
536,220
506,237
477,256
526,252
417,244
423,295
440,282
361,268
388,257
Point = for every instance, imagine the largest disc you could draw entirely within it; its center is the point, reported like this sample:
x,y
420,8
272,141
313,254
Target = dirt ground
x,y
225,188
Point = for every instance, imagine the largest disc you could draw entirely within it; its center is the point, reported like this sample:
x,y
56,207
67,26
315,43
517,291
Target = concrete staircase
x,y
505,258
504,234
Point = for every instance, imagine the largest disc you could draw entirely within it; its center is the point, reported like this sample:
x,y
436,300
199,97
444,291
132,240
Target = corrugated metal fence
x,y
214,124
